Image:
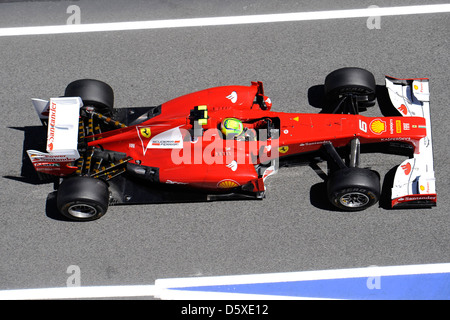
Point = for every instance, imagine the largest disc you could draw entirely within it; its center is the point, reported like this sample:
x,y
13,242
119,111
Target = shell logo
x,y
227,184
378,126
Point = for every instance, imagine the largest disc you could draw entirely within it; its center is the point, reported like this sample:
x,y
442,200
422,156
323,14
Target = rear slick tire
x,y
94,93
82,198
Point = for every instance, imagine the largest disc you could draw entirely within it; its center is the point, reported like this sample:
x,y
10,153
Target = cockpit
x,y
252,130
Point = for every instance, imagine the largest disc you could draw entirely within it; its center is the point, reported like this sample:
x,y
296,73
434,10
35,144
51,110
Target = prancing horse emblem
x,y
145,132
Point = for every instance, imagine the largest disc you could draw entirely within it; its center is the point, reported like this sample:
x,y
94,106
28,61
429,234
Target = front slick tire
x,y
82,198
353,189
356,81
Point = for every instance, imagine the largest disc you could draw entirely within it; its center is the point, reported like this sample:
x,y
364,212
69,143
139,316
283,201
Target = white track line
x,y
79,292
230,20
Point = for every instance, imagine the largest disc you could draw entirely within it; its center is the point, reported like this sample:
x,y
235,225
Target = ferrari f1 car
x,y
223,142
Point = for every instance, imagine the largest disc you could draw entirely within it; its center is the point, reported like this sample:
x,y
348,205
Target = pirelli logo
x,y
398,126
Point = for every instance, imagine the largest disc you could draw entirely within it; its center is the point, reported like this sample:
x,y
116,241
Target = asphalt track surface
x,y
293,228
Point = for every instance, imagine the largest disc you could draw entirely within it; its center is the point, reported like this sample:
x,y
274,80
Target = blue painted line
x,y
399,287
409,282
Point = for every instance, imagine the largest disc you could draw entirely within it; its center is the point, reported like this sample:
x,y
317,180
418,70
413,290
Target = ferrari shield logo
x,y
145,132
283,149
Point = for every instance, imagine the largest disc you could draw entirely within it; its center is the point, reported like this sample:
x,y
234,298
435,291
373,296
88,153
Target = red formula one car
x,y
223,142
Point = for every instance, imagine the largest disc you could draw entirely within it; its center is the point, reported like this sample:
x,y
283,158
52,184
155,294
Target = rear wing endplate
x,y
62,118
414,181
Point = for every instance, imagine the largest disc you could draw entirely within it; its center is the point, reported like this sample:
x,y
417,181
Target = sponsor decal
x,y
233,165
47,164
313,143
227,184
170,139
232,97
421,87
283,149
407,168
397,139
45,157
377,126
145,132
403,109
398,126
269,102
51,127
44,162
268,172
165,143
416,197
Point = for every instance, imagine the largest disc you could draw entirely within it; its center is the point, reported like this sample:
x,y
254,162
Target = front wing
x,y
414,181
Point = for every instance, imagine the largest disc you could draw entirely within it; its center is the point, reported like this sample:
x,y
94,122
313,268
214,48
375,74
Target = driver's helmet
x,y
231,127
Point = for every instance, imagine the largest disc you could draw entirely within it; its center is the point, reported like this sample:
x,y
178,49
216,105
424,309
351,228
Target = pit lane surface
x,y
292,229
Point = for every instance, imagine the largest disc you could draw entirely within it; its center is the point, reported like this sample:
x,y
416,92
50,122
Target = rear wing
x,y
61,115
414,180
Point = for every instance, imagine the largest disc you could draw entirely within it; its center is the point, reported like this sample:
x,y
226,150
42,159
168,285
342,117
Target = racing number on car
x,y
362,126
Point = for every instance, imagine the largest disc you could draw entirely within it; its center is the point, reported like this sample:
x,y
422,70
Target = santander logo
x,y
407,168
403,109
51,126
232,97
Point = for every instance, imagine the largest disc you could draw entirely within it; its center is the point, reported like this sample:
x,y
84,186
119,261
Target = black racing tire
x,y
353,189
356,81
82,198
93,93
